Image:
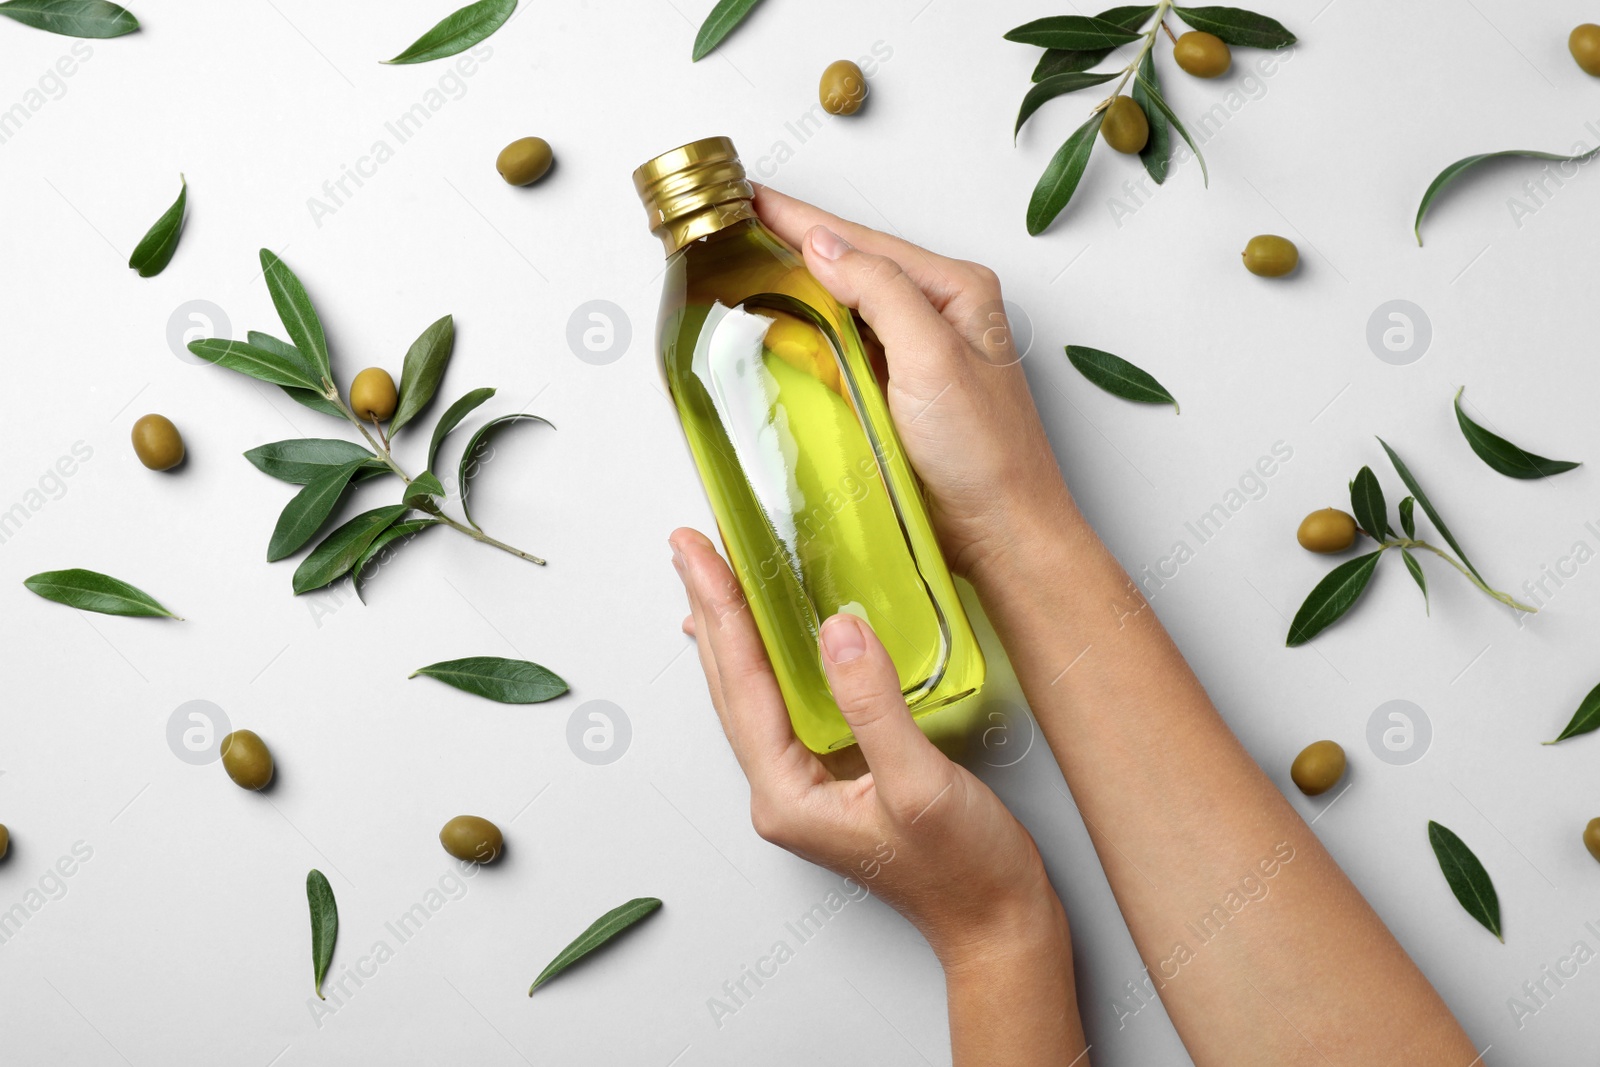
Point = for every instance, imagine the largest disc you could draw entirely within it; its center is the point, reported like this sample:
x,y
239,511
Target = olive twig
x,y
1144,50
383,436
1170,35
479,535
382,450
1504,598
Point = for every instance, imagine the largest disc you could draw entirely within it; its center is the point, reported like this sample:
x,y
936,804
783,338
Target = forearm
x,y
1012,998
1261,949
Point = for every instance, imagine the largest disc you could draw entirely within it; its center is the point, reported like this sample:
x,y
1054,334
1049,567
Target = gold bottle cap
x,y
694,190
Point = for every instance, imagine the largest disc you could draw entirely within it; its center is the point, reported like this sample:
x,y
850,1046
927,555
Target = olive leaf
x,y
452,418
72,18
1153,95
422,491
1119,377
1129,17
599,932
1416,572
1054,86
469,457
1408,521
274,368
1466,877
306,513
1338,591
1067,60
1366,504
93,591
313,399
1427,508
154,251
723,18
394,533
338,552
458,31
1060,178
1501,454
298,316
1461,166
1074,32
324,924
508,681
1156,155
424,367
1584,720
278,346
1245,29
1055,61
302,460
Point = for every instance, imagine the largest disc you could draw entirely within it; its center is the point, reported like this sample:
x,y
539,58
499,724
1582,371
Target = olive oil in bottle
x,y
818,508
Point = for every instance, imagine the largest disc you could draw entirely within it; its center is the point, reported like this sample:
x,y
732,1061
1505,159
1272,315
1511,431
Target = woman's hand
x,y
917,830
956,389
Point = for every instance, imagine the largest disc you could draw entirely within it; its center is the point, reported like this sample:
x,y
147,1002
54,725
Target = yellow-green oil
x,y
818,509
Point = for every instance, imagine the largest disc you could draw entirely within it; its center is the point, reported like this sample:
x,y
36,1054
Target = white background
x,y
184,940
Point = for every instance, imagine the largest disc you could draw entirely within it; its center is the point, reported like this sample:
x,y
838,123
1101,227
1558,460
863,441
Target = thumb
x,y
867,689
891,303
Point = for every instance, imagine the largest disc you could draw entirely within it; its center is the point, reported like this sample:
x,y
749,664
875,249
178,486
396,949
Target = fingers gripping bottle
x,y
818,508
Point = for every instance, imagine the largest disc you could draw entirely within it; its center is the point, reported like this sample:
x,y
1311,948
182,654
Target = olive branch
x,y
327,468
1074,44
1339,590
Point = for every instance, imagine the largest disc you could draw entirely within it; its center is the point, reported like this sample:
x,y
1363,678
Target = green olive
x,y
524,161
372,395
246,759
1318,768
1202,55
843,88
5,840
1591,838
1125,127
1270,256
1584,44
467,837
1328,530
1205,55
157,442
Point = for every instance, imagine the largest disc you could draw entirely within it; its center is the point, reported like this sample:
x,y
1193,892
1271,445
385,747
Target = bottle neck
x,y
685,230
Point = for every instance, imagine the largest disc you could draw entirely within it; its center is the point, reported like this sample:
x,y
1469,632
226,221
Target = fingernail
x,y
677,560
828,244
842,640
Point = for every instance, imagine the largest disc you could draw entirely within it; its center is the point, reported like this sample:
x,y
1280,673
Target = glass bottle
x,y
818,508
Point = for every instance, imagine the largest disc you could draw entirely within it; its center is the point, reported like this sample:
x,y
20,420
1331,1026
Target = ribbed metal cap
x,y
693,190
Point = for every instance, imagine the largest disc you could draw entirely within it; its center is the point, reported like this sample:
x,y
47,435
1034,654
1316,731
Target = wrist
x,y
1013,998
1027,536
1015,936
